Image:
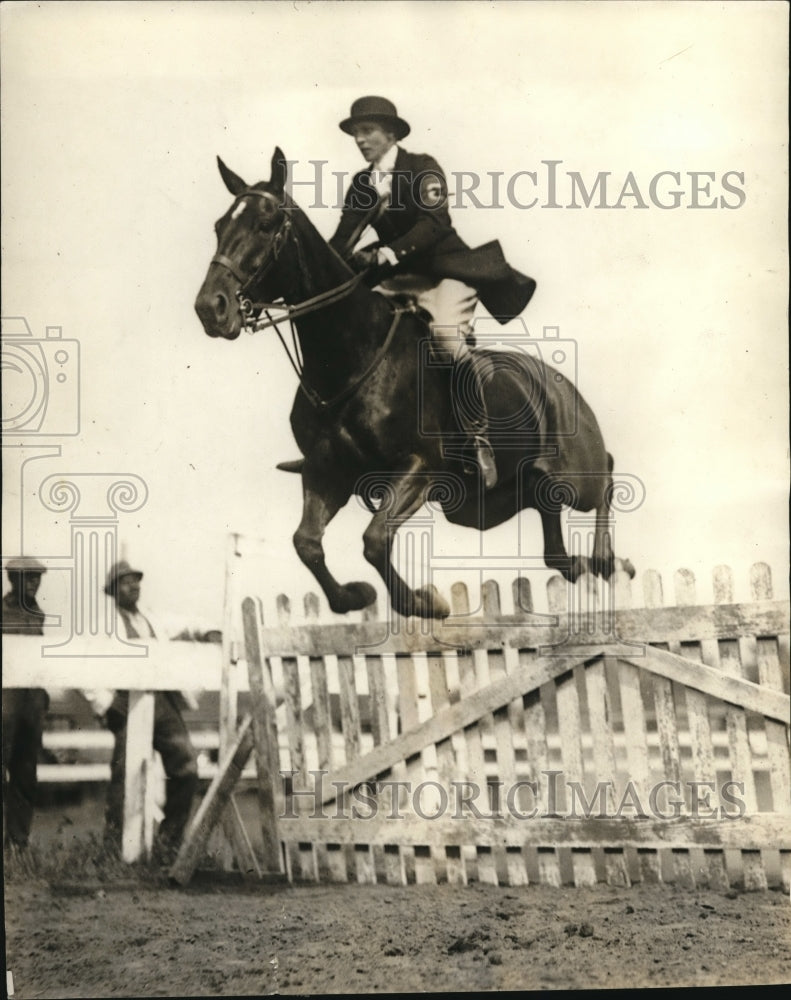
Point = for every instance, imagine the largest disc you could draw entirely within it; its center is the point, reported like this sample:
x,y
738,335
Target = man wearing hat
x,y
403,197
171,738
24,709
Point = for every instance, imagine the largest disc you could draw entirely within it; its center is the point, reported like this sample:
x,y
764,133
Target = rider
x,y
403,197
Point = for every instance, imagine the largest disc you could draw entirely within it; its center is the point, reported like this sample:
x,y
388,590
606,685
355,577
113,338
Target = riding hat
x,y
376,109
118,570
25,564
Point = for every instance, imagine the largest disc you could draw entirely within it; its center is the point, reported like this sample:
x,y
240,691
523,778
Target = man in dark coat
x,y
24,709
171,738
403,197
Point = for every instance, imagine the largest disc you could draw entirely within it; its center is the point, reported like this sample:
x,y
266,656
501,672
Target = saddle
x,y
407,301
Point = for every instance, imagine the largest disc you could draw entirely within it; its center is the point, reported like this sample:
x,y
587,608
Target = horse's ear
x,y
279,174
234,183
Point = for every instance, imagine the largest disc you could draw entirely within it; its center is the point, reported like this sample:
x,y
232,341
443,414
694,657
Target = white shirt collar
x,y
388,161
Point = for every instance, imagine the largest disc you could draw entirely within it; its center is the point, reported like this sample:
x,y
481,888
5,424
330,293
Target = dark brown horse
x,y
374,414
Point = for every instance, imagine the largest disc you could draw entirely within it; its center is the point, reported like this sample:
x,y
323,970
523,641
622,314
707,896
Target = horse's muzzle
x,y
219,319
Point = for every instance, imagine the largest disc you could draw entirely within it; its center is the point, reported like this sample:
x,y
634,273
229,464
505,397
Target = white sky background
x,y
112,115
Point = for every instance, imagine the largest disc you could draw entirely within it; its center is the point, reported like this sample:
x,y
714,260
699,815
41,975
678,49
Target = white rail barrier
x,y
34,661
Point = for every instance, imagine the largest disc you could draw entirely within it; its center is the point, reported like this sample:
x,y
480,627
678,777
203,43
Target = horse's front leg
x,y
317,511
555,555
603,560
405,495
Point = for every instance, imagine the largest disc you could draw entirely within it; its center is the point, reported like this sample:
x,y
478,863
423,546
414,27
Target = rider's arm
x,y
425,197
345,231
359,205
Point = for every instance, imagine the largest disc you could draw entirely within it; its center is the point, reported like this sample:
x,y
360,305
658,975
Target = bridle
x,y
250,309
246,285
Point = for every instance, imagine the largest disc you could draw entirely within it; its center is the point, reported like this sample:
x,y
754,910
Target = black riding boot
x,y
474,420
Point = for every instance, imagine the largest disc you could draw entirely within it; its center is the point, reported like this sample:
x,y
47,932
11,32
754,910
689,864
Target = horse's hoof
x,y
577,565
356,596
626,566
429,603
604,567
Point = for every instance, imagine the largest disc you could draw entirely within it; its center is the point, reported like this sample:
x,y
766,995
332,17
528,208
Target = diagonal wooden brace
x,y
216,802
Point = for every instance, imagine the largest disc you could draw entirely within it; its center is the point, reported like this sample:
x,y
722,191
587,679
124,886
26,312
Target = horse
x,y
376,415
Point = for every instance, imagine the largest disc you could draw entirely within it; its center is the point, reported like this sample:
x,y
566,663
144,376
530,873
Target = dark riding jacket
x,y
416,225
22,615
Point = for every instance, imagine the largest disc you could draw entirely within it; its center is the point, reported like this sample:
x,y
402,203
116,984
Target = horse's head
x,y
250,237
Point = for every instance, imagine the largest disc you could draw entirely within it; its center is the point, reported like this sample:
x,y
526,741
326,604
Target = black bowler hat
x,y
376,109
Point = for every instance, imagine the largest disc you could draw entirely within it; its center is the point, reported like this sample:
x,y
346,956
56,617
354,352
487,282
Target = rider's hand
x,y
386,257
363,259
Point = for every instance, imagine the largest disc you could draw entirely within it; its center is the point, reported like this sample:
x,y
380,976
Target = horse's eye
x,y
268,218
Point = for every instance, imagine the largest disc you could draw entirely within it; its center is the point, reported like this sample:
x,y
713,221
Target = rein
x,y
326,404
301,308
293,312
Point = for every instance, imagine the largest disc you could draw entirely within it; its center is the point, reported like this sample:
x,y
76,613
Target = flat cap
x,y
116,571
25,564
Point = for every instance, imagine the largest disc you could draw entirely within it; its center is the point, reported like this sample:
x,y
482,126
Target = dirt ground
x,y
220,941
75,930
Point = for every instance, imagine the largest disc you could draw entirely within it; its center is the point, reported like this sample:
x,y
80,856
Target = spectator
x,y
171,739
24,709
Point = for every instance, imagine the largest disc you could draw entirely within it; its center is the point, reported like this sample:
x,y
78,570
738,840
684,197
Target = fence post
x,y
230,652
264,734
770,676
138,824
231,832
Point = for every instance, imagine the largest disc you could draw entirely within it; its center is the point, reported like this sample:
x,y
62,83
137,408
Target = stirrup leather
x,y
484,460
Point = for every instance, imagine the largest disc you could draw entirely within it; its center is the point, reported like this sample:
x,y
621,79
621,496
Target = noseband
x,y
246,285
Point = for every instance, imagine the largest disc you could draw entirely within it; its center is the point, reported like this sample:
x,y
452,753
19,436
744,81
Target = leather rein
x,y
249,309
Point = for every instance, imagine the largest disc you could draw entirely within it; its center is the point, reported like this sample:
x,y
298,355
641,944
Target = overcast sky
x,y
113,114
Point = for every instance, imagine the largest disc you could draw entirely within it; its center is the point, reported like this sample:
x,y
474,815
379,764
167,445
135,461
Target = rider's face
x,y
372,140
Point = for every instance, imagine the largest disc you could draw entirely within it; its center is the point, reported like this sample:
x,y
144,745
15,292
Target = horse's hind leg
x,y
317,512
